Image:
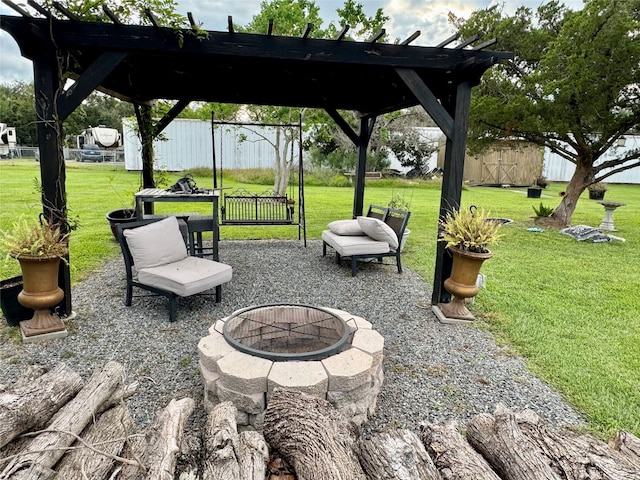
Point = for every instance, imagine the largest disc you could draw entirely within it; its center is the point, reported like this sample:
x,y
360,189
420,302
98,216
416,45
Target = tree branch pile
x,y
55,426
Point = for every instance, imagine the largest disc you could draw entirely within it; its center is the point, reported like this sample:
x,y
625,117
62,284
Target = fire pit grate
x,y
282,332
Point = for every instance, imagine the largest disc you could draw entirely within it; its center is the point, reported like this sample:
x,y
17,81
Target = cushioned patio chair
x,y
377,235
156,259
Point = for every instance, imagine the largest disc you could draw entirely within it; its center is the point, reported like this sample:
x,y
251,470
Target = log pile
x,y
55,426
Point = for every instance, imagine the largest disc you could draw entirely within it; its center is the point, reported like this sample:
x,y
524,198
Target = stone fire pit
x,y
333,355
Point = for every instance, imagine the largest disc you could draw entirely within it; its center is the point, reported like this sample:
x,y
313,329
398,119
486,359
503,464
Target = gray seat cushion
x,y
186,277
354,244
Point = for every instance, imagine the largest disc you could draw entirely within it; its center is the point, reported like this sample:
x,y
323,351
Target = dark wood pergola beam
x,y
89,81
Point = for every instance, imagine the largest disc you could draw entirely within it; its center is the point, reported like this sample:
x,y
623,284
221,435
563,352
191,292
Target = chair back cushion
x,y
156,244
378,230
345,227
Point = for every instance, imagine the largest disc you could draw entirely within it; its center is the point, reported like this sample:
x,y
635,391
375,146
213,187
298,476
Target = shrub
x,y
543,211
469,230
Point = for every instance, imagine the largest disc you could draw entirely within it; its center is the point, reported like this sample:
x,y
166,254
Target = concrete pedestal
x,y
607,221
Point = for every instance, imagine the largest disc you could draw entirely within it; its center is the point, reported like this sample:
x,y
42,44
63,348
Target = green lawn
x,y
569,308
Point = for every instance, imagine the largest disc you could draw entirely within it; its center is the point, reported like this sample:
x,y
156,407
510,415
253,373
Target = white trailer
x,y
103,137
7,140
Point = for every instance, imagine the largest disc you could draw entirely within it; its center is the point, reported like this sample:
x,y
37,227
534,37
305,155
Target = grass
x,y
569,308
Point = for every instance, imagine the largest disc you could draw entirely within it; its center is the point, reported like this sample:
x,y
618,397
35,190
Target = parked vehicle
x,y
101,136
7,141
89,153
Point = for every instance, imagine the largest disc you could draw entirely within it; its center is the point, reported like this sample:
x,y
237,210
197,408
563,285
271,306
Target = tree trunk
x,y
253,456
582,177
164,439
221,443
576,457
31,406
628,445
145,131
397,455
107,435
48,447
510,453
453,455
312,436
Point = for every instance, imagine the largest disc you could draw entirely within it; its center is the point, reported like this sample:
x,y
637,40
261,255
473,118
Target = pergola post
x,y
452,182
366,125
52,167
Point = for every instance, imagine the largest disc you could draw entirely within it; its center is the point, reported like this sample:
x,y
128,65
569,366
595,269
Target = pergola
x,y
141,64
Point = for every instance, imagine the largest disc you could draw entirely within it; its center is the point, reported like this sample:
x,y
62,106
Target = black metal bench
x,y
244,208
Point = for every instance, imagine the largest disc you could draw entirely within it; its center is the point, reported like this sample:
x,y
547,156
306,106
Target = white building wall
x,y
189,144
558,169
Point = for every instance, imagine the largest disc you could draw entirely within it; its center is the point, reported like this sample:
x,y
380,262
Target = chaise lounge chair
x,y
377,235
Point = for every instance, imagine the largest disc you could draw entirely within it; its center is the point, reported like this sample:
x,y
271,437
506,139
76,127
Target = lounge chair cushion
x,y
354,244
156,244
378,230
345,227
186,277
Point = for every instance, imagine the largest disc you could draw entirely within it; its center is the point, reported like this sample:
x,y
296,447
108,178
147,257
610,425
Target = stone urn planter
x,y
39,247
462,282
468,234
40,291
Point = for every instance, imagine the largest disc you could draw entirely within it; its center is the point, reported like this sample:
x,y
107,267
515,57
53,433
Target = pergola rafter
x,y
141,64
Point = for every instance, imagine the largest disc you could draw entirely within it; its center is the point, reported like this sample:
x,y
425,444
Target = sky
x,y
406,16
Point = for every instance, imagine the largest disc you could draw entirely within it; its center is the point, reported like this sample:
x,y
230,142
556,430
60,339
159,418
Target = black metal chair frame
x,y
195,227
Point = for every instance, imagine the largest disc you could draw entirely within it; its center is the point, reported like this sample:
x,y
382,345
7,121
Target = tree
x,y
16,110
573,86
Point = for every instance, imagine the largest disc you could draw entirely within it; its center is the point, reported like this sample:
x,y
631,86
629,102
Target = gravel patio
x,y
432,372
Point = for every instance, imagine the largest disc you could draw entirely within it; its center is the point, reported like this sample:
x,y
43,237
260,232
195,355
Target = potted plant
x,y
597,190
535,190
468,234
398,202
38,247
14,312
122,215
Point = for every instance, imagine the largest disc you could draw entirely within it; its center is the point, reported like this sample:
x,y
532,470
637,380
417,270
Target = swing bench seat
x,y
244,208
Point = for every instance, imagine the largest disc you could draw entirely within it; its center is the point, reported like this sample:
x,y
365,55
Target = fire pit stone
x,y
307,377
350,379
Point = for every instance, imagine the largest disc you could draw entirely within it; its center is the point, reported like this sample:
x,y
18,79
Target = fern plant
x,y
39,239
469,230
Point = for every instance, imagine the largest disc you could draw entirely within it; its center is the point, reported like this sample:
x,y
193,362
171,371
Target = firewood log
x,y
221,444
164,439
312,436
107,437
576,456
49,446
253,456
396,455
134,449
31,405
511,454
452,454
629,445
